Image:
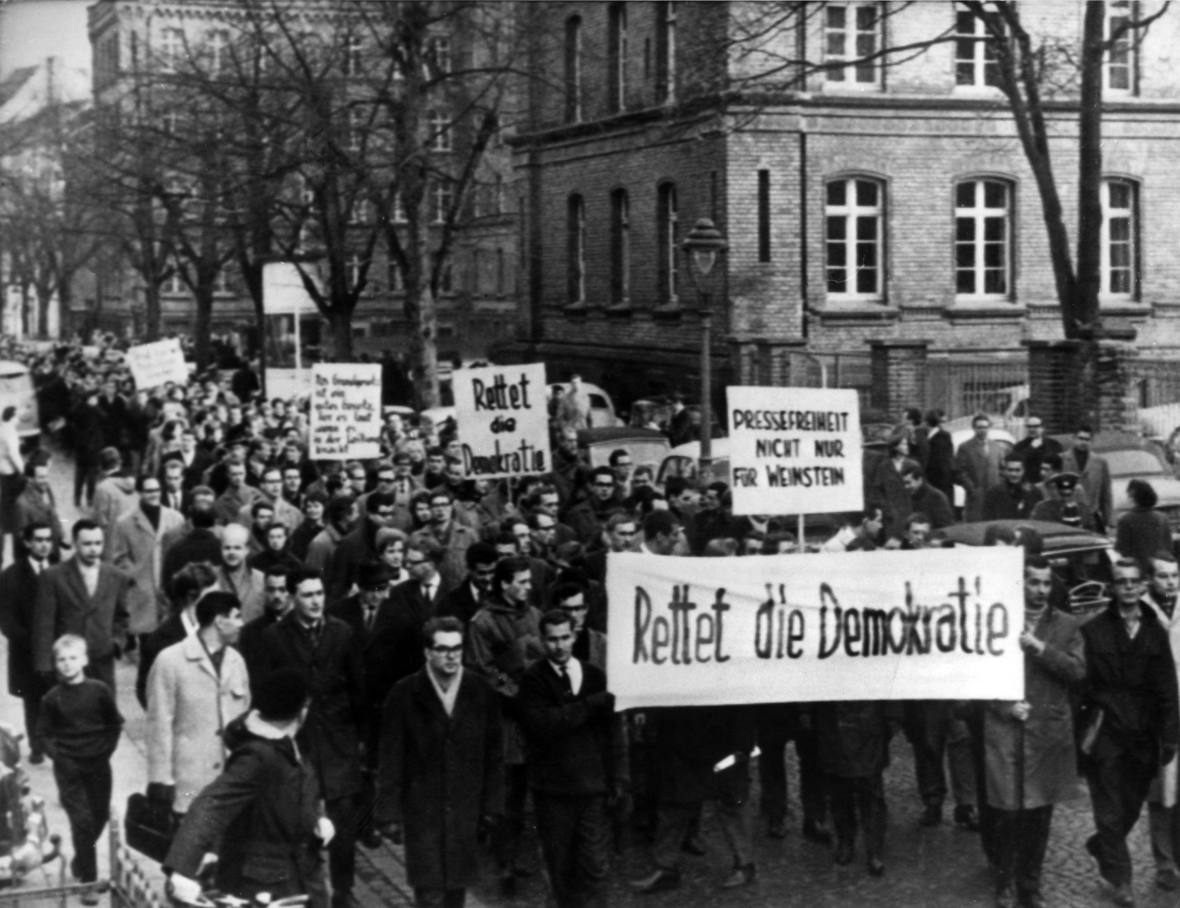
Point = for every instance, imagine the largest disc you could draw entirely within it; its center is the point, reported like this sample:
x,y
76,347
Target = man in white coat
x,y
136,547
195,689
1162,807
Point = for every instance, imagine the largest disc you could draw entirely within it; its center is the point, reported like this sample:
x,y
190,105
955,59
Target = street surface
x,y
941,867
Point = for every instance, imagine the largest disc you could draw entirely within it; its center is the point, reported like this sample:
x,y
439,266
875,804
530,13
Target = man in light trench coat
x,y
1029,745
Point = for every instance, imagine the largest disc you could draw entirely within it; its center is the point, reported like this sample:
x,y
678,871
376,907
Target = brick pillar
x,y
1114,404
1054,375
899,374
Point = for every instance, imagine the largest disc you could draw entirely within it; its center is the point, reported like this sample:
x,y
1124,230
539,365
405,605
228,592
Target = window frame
x,y
667,244
980,46
172,45
616,80
440,127
665,48
1134,266
575,249
620,248
851,213
573,70
442,198
1117,11
851,33
979,241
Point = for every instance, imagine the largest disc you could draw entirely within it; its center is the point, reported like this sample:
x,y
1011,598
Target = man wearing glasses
x,y
1130,721
441,772
589,518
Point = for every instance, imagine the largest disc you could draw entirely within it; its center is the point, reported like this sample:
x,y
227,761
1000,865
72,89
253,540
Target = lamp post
x,y
703,245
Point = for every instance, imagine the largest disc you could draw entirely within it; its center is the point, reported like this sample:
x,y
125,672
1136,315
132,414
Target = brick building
x,y
144,49
863,203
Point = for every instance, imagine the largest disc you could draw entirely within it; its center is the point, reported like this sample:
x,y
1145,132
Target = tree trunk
x,y
424,348
151,311
340,326
202,327
44,301
1089,254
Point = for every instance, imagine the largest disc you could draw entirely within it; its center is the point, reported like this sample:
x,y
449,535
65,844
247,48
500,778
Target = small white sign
x,y
346,411
795,450
157,363
283,290
503,418
288,383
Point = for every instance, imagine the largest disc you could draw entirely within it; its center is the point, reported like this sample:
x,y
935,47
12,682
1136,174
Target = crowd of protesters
x,y
332,653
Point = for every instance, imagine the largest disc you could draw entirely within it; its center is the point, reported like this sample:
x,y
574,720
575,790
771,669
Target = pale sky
x,y
31,30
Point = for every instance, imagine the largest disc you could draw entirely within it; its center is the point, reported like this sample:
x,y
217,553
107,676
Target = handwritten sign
x,y
503,418
795,450
157,364
346,411
936,624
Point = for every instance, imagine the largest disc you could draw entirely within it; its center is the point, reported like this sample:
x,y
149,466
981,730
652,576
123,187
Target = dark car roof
x,y
1111,441
1058,538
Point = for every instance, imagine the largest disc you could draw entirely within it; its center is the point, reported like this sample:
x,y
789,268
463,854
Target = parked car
x,y
16,390
647,447
1131,457
684,460
602,408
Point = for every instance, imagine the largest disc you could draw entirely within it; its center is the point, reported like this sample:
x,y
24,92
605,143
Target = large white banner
x,y
503,417
934,624
157,363
795,450
346,411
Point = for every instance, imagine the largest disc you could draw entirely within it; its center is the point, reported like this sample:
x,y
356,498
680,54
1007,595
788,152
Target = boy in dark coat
x,y
264,810
442,767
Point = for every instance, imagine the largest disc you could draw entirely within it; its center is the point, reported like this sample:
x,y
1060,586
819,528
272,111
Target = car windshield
x,y
1133,463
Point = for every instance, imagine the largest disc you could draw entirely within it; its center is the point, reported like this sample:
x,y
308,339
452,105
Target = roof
x,y
1058,538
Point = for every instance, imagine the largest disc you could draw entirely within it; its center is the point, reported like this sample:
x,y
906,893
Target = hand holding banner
x,y
929,624
503,418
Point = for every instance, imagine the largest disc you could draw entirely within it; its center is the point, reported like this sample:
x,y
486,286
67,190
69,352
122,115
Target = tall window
x,y
668,240
573,69
355,131
438,51
983,238
1120,61
398,214
171,47
354,269
1120,258
665,51
975,55
351,63
852,32
444,198
620,247
218,45
576,249
440,131
616,77
854,229
395,278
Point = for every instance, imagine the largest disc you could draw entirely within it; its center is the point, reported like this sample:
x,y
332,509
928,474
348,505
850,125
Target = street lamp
x,y
703,245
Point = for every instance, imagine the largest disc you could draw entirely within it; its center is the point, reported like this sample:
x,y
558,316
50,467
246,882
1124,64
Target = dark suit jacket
x,y
330,737
250,643
18,598
171,631
576,744
395,650
940,463
63,607
198,545
459,603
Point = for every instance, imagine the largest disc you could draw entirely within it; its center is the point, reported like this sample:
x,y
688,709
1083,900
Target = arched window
x,y
576,250
668,244
573,69
620,248
854,233
983,239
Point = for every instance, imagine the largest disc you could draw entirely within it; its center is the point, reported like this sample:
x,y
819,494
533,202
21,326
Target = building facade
x,y
144,49
885,199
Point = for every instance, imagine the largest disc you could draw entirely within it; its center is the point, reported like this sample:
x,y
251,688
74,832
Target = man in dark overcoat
x,y
1029,745
18,596
83,596
1130,722
323,650
701,754
442,767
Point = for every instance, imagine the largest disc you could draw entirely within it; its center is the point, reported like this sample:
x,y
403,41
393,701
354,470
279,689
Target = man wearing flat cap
x,y
1064,508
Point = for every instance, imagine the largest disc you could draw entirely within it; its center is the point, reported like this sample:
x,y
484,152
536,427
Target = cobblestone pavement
x,y
941,867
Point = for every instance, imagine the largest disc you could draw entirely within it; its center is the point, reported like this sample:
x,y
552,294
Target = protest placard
x,y
795,450
288,383
934,624
503,418
283,290
346,411
157,363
